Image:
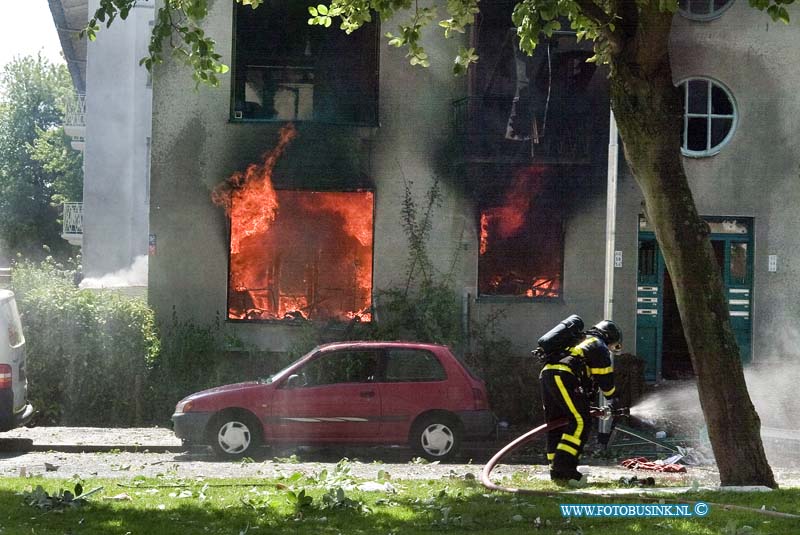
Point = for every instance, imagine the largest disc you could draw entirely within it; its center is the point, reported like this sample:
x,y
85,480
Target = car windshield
x,y
278,375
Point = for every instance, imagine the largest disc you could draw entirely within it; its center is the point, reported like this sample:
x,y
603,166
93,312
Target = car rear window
x,y
413,365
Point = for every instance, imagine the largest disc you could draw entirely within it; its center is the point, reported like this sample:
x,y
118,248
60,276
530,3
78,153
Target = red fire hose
x,y
521,441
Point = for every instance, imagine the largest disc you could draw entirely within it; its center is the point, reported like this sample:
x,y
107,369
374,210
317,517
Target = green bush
x,y
89,351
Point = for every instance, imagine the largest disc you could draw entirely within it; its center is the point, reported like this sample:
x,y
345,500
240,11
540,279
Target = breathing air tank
x,y
562,335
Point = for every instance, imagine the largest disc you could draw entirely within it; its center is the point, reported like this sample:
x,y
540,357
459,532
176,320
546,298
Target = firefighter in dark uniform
x,y
567,388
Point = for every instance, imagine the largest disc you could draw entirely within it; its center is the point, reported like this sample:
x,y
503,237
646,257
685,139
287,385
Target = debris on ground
x,y
643,463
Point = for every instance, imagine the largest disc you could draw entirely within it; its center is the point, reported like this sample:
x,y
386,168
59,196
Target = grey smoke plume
x,y
135,275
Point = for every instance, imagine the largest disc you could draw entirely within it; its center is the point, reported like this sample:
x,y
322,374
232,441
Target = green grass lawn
x,y
327,503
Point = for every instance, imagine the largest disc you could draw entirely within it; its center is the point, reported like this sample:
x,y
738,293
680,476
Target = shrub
x,y
88,351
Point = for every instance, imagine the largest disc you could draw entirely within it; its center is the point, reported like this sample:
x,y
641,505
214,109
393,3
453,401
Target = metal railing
x,y
75,110
73,218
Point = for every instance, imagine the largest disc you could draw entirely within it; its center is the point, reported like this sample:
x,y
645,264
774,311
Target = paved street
x,y
61,452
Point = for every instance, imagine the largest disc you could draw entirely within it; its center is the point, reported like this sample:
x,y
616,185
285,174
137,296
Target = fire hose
x,y
597,412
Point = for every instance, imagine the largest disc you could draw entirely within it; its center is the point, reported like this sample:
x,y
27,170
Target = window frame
x,y
705,17
683,84
376,122
284,321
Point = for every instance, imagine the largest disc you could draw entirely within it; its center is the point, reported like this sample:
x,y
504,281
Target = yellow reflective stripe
x,y
609,393
576,351
568,449
570,438
551,456
560,367
602,371
572,409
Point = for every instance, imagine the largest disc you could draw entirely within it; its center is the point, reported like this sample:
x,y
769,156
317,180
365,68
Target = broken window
x,y
521,239
314,261
287,70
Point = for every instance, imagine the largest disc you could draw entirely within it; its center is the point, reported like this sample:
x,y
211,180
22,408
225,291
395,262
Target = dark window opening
x,y
286,70
314,261
521,237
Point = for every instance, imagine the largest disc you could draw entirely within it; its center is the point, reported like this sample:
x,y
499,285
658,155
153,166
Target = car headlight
x,y
183,406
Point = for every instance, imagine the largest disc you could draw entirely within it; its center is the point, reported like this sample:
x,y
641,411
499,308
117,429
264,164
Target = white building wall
x,y
118,125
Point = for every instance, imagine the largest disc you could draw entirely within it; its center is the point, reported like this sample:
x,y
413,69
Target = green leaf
x,y
313,11
323,9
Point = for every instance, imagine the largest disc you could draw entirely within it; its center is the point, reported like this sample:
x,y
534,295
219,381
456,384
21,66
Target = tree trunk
x,y
649,111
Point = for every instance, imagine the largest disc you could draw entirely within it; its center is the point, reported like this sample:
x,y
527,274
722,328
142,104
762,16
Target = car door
x,y
414,381
331,398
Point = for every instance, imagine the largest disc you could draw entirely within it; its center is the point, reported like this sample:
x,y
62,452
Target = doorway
x,y
659,331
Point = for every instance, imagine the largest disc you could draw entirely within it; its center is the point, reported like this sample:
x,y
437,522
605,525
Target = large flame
x,y
516,242
296,254
505,220
248,197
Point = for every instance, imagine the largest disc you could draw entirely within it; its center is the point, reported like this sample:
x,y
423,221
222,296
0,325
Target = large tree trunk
x,y
649,112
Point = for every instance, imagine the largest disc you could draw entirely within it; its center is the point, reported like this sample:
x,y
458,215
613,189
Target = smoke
x,y
135,275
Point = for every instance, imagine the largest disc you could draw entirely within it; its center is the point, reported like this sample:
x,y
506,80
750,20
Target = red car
x,y
354,392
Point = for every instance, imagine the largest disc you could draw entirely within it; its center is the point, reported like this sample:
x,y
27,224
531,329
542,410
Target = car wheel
x,y
235,435
436,437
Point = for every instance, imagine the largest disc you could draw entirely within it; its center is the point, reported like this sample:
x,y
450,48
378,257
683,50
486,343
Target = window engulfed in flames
x,y
521,240
313,262
296,253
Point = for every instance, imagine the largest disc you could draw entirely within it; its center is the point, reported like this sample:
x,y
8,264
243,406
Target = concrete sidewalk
x,y
90,439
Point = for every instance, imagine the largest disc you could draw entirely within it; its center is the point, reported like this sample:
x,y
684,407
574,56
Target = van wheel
x,y
436,437
234,435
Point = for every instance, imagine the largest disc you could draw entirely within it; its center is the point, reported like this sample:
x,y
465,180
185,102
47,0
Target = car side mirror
x,y
293,381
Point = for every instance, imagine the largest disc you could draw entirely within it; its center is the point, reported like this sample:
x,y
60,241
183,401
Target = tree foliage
x,y
37,166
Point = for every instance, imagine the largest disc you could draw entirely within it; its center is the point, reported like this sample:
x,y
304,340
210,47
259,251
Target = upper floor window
x,y
703,9
709,117
286,70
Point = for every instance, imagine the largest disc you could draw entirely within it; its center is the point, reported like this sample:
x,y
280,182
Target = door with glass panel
x,y
659,332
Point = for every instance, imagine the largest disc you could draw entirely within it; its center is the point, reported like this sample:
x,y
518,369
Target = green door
x,y
657,322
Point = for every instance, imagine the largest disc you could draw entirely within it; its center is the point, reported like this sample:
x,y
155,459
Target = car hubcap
x,y
234,437
437,439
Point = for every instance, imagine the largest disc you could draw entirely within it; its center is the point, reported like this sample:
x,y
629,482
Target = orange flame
x,y
296,254
249,198
507,219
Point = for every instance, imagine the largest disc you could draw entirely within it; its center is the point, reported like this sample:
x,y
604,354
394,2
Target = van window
x,y
10,318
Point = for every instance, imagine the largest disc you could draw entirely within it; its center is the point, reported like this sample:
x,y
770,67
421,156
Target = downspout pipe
x,y
611,229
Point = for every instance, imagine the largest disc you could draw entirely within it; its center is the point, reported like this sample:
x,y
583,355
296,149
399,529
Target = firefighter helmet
x,y
609,332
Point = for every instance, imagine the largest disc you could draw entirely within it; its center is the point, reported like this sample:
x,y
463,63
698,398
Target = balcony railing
x,y
72,226
75,114
564,135
75,120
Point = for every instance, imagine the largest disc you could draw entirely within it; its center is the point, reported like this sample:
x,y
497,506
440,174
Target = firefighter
x,y
567,388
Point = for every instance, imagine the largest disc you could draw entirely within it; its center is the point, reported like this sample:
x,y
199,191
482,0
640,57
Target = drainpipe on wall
x,y
611,225
611,217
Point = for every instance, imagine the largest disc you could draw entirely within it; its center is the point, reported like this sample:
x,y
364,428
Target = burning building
x,y
520,147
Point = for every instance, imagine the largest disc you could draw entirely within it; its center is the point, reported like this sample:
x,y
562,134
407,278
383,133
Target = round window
x,y
703,9
709,116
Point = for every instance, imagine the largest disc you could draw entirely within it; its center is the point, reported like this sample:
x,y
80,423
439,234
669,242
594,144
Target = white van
x,y
14,407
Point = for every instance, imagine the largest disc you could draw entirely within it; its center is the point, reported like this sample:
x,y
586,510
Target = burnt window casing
x,y
521,249
287,70
314,261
